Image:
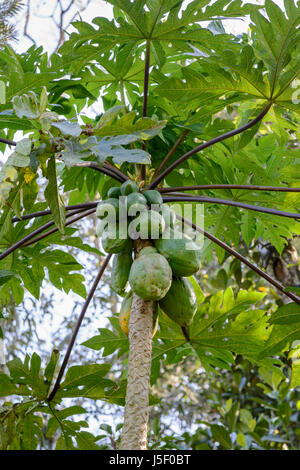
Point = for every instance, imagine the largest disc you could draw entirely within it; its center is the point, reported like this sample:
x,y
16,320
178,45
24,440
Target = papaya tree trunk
x,y
136,415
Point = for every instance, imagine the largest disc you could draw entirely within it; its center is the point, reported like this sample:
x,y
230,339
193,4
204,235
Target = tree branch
x,y
171,153
226,202
244,260
209,144
36,232
55,229
105,170
111,167
8,142
77,327
85,205
248,187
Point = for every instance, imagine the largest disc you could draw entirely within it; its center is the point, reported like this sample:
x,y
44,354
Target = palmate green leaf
x,y
32,431
231,324
53,423
86,381
108,341
59,264
75,151
109,147
127,128
5,276
139,24
26,106
26,377
294,356
204,87
286,314
68,128
279,36
10,190
114,135
286,328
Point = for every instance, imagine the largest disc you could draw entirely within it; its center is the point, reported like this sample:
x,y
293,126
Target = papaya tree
x,y
192,115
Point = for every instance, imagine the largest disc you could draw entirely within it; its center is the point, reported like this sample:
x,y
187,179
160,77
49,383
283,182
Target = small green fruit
x,y
129,187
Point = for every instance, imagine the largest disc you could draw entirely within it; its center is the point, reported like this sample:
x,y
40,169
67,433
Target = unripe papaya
x,y
107,207
148,250
168,215
180,302
151,224
112,243
182,254
135,198
125,312
124,315
129,187
101,226
120,271
114,192
150,276
153,196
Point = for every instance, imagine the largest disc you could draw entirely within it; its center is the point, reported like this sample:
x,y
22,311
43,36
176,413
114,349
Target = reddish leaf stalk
x,y
85,205
55,229
266,210
248,187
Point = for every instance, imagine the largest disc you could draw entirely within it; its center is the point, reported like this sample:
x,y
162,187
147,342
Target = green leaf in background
x,y
68,128
2,92
221,435
5,276
26,106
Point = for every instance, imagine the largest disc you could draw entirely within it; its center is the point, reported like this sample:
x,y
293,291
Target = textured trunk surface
x,y
136,415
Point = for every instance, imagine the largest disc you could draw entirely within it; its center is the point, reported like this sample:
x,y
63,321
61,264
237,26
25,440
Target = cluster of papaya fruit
x,y
160,271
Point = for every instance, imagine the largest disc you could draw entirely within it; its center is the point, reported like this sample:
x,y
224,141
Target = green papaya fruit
x,y
107,207
182,254
121,265
148,250
180,302
149,224
153,196
129,187
112,243
114,192
150,276
135,198
124,314
101,226
168,215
